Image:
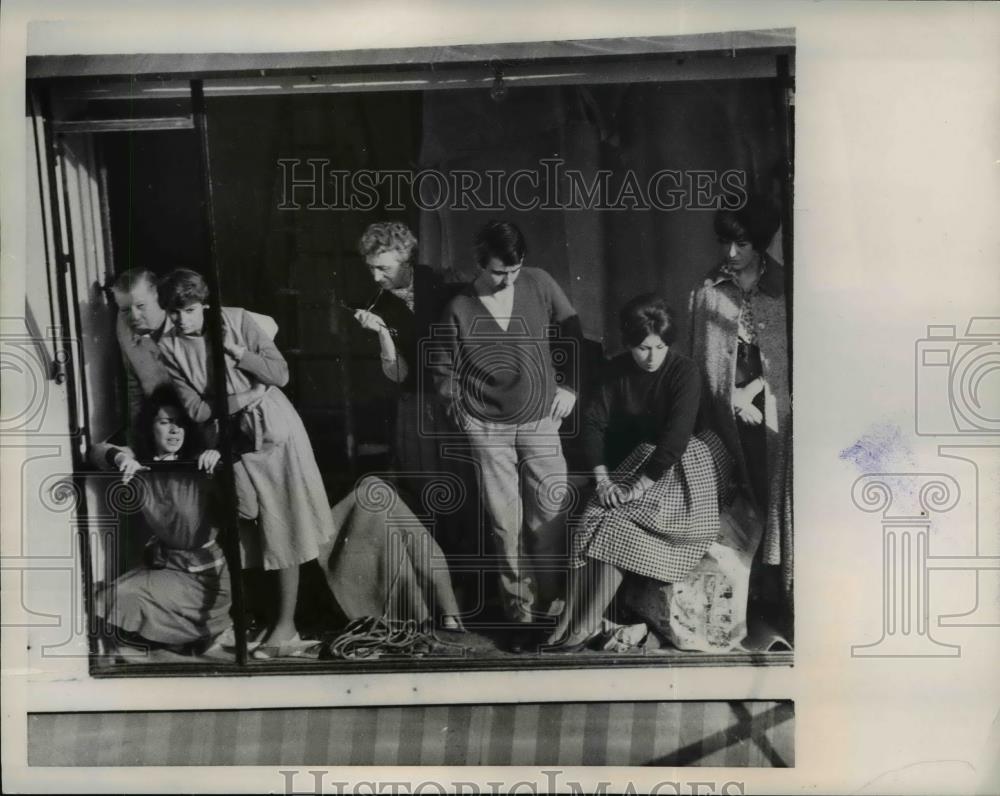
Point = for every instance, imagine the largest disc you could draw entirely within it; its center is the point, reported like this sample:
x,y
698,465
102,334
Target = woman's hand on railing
x,y
208,460
128,465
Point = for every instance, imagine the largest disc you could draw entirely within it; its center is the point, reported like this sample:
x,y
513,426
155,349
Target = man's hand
x,y
743,403
563,403
208,460
128,466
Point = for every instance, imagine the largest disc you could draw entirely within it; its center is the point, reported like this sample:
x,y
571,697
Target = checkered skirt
x,y
665,533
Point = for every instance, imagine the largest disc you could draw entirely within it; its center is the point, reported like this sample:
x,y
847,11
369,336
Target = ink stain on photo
x,y
883,448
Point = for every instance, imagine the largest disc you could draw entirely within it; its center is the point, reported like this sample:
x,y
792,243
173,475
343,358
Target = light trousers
x,y
524,487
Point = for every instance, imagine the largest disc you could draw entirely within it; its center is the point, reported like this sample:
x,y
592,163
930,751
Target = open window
x,y
261,173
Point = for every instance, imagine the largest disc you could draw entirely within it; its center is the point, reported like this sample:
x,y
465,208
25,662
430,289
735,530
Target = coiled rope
x,y
372,637
375,636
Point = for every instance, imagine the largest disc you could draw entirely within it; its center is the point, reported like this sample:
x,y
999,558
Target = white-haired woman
x,y
409,298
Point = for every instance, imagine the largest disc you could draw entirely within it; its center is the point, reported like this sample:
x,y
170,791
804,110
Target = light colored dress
x,y
278,482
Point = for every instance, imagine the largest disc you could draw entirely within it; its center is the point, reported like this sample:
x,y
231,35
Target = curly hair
x,y
161,397
181,288
645,315
386,236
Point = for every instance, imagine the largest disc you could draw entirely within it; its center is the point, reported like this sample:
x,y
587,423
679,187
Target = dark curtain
x,y
301,266
603,257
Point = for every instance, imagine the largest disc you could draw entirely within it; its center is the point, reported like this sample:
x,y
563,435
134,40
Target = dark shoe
x,y
526,639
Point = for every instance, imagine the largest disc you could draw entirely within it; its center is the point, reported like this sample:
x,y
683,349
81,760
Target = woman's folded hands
x,y
611,495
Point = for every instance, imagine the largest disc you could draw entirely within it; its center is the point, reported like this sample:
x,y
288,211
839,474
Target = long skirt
x,y
384,561
169,604
278,484
665,533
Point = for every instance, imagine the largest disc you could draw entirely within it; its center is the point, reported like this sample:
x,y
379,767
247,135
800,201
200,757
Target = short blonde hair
x,y
387,236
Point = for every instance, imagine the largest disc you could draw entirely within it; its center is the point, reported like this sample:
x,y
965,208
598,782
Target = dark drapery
x,y
603,257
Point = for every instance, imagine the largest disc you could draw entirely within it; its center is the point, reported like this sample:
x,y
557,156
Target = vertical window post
x,y
230,532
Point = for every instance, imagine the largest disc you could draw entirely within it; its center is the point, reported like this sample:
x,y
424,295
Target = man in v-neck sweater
x,y
501,387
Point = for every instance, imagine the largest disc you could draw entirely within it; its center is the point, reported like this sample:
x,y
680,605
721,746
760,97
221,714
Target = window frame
x,y
765,54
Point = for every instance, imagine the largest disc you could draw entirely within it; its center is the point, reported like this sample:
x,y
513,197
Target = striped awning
x,y
534,734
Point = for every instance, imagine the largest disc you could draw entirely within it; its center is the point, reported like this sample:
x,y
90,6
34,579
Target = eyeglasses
x,y
378,294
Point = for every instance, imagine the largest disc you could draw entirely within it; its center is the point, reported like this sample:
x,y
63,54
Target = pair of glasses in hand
x,y
392,332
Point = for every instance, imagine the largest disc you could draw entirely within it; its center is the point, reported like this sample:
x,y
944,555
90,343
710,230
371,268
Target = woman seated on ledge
x,y
657,511
180,596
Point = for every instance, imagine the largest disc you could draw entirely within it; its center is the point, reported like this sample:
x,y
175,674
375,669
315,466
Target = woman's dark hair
x,y
645,315
756,222
182,287
161,397
502,240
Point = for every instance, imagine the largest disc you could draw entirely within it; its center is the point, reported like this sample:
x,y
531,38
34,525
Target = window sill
x,y
411,665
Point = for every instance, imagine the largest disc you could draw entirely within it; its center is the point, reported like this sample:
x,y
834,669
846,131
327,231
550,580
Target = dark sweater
x,y
506,376
430,295
634,406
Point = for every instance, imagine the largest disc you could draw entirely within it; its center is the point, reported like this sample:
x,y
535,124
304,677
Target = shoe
x,y
452,624
295,647
527,639
564,647
254,641
227,640
556,607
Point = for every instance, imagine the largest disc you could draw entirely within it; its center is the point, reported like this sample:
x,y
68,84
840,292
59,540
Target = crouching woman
x,y
180,596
